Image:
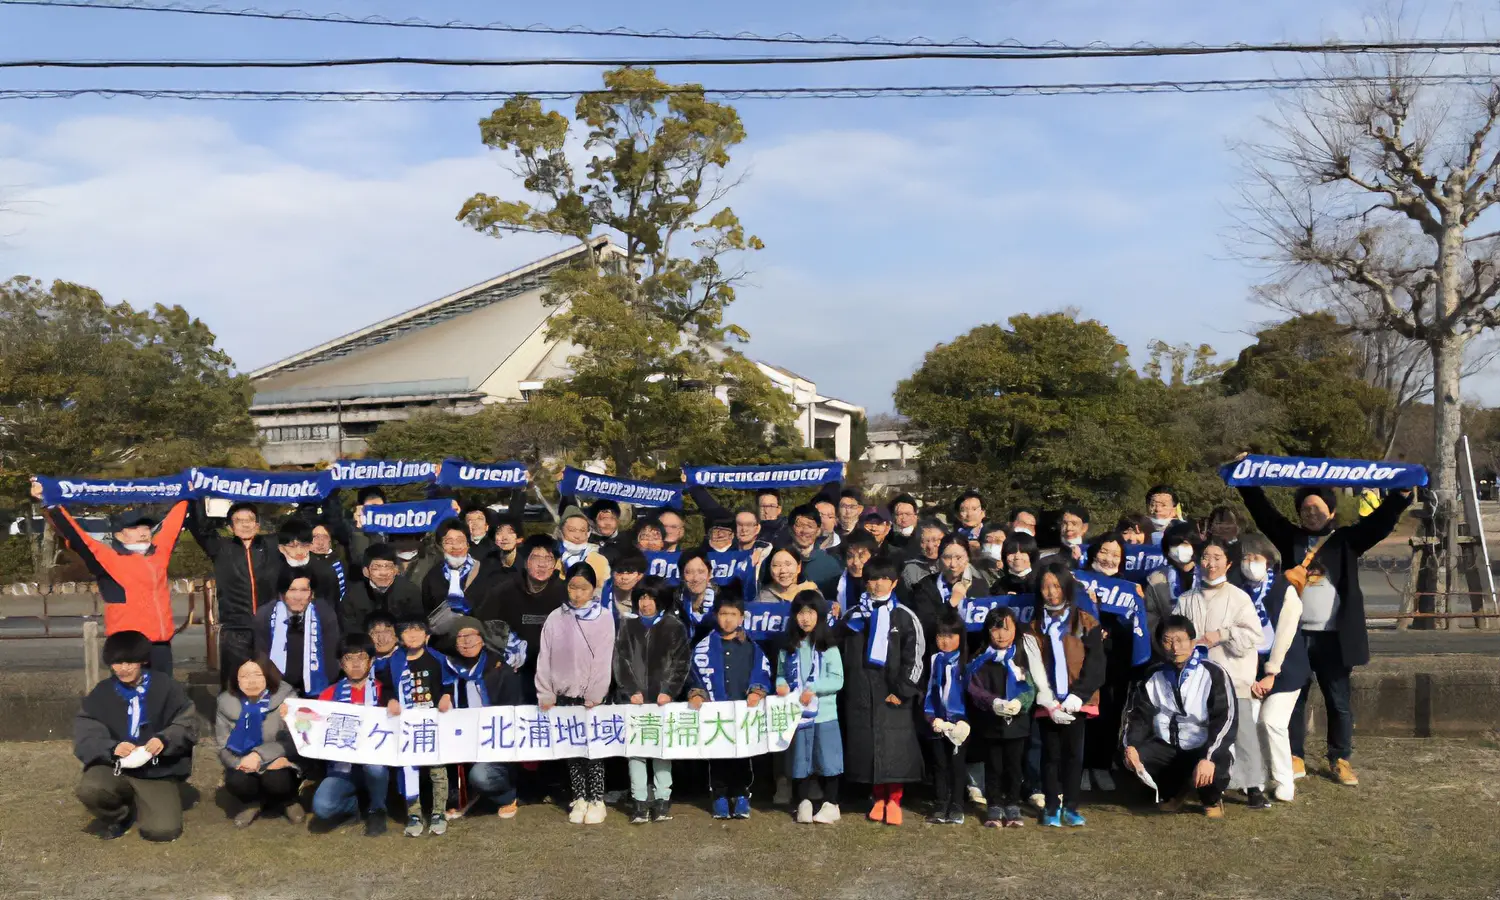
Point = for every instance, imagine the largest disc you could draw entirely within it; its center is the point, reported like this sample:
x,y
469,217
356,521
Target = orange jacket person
x,y
131,570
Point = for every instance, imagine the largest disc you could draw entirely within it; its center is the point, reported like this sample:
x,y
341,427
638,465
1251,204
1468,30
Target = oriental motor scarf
x,y
1258,597
135,704
874,618
406,693
1007,658
802,682
314,675
696,618
248,729
623,490
945,590
1296,471
945,693
708,664
456,577
1056,626
112,491
470,677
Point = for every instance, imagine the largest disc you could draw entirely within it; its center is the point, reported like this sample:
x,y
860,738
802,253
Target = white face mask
x,y
406,554
1215,582
455,562
570,547
906,532
1159,524
993,551
1103,570
1182,553
1253,570
138,548
1019,573
298,563
1072,541
1022,529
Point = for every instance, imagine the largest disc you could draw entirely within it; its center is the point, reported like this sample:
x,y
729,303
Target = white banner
x,y
343,732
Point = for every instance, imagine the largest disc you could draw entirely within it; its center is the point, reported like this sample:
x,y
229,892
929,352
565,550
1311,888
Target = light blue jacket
x,y
826,686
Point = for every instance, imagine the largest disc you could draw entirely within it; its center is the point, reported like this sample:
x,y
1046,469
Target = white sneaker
x,y
976,796
595,813
577,810
1283,794
804,812
827,814
783,795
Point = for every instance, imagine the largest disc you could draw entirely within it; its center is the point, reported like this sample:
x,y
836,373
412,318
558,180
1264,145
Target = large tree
x,y
88,387
654,373
1043,411
1377,184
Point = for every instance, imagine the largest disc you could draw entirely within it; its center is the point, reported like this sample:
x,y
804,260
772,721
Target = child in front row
x,y
651,666
1000,699
416,678
814,670
337,797
946,714
727,665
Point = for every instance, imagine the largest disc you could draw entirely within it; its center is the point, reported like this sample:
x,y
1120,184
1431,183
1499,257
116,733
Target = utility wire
x,y
1415,45
749,93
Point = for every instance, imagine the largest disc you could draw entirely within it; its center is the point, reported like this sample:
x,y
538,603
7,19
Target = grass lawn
x,y
1424,823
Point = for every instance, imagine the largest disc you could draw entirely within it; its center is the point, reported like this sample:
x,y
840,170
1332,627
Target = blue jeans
x,y
337,795
494,781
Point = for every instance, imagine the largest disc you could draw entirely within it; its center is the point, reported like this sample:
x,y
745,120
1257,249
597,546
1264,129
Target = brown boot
x,y
1214,812
1175,804
1343,773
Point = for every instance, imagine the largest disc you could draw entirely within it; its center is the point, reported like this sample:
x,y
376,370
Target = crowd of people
x,y
907,692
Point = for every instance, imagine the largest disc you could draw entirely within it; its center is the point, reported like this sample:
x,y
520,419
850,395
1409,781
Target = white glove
x,y
958,732
939,726
1007,708
1060,716
1072,703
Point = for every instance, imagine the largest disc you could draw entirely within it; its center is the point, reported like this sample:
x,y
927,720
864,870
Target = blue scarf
x,y
470,679
732,565
708,665
801,681
338,572
1258,597
875,620
945,686
247,733
648,621
696,618
135,701
663,564
970,531
314,675
343,692
1174,581
1007,658
589,613
456,577
1055,627
945,590
401,676
1194,663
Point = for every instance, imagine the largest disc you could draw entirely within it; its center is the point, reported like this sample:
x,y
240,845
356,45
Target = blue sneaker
x,y
721,808
742,807
1052,818
1071,819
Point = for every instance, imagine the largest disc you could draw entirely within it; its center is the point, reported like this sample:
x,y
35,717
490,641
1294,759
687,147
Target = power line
x,y
1013,48
1422,45
748,93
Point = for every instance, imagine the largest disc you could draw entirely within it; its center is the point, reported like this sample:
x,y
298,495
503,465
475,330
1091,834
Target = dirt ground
x,y
1424,823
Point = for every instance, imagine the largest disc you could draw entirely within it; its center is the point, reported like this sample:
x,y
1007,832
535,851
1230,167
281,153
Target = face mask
x,y
993,551
298,563
1022,529
1073,541
406,554
570,547
455,562
1159,524
138,548
1215,582
906,532
1253,571
1106,570
1019,573
1182,553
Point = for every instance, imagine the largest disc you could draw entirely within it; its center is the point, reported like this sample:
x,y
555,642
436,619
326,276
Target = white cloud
x,y
276,253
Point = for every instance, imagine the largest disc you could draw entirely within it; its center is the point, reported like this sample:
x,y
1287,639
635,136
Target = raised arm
x,y
202,530
1377,526
1268,518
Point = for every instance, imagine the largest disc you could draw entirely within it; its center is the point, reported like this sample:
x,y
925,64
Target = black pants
x,y
161,657
1004,771
950,775
272,788
802,788
236,645
730,777
1172,770
1062,760
1326,655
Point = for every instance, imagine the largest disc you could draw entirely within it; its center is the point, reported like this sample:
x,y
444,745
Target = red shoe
x,y
877,812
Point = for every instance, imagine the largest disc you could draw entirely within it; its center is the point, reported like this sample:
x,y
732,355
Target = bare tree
x,y
1375,188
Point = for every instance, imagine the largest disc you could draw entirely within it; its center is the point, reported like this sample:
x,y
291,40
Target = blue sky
x,y
890,225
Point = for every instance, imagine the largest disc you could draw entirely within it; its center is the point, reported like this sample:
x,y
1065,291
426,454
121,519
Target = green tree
x,y
1044,411
1312,368
88,387
654,375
